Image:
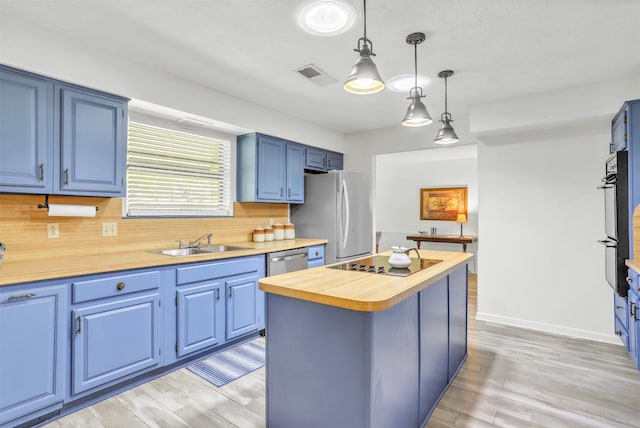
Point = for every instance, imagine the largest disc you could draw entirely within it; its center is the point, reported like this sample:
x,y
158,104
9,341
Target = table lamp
x,y
462,218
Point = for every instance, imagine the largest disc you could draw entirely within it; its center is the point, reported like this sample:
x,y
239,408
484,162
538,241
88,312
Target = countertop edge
x,y
58,267
403,287
633,264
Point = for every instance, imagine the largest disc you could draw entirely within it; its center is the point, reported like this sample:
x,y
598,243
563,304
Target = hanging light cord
x,y
446,110
365,21
415,65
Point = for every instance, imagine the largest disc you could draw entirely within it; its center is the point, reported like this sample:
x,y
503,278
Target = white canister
x,y
278,232
268,233
258,234
289,231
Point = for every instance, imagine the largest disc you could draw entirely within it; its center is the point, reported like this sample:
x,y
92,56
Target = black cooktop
x,y
380,265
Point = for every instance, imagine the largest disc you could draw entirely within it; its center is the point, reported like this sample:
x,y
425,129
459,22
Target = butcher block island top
x,y
362,291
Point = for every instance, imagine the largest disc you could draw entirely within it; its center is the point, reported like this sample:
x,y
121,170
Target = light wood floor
x,y
512,378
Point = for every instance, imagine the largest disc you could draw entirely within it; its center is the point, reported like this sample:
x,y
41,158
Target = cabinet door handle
x,y
217,294
21,296
629,280
619,332
120,286
66,176
289,192
41,172
230,292
79,325
281,192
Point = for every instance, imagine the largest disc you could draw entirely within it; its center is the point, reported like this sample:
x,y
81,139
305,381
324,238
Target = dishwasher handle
x,y
290,257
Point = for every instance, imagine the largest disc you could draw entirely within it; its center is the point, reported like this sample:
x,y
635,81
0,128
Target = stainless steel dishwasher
x,y
286,261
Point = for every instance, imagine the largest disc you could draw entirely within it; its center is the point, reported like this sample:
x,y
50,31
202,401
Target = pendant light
x,y
417,114
446,134
364,78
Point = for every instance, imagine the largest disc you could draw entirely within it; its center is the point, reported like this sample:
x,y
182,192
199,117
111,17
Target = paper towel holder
x,y
46,203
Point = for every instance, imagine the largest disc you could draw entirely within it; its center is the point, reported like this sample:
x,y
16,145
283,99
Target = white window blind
x,y
173,173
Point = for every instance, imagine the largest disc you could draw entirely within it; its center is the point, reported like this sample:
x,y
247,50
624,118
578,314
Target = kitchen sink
x,y
198,251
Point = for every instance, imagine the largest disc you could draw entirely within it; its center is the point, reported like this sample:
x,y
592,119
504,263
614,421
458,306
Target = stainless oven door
x,y
611,265
610,210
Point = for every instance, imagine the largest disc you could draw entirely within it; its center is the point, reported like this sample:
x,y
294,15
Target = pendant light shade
x,y
417,114
446,134
364,78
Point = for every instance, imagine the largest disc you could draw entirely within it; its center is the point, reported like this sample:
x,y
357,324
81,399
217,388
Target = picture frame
x,y
442,203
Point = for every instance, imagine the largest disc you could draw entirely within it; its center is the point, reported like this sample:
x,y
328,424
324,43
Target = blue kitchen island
x,y
353,348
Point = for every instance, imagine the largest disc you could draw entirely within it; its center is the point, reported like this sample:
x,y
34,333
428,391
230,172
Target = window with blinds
x,y
176,174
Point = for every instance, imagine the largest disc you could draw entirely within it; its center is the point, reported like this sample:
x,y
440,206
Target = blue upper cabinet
x,y
619,130
59,138
319,160
295,173
92,143
270,169
26,146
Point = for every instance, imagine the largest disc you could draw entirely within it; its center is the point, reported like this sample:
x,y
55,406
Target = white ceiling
x,y
251,48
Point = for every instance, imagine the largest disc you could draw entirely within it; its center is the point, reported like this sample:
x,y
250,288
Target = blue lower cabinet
x,y
458,287
113,340
33,329
315,256
434,345
200,317
633,278
245,306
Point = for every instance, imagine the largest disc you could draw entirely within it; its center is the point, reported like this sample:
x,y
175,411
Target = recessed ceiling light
x,y
405,82
326,17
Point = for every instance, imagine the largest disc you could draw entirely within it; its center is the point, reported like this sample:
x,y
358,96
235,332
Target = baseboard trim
x,y
550,328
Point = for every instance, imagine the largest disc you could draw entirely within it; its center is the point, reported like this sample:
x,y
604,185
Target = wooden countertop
x,y
634,264
361,291
61,267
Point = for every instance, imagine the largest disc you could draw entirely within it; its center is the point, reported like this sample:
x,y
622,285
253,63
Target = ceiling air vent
x,y
316,75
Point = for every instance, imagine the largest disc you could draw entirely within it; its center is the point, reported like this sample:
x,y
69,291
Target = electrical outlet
x,y
109,229
52,230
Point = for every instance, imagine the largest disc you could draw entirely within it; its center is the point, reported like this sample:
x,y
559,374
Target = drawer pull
x,y
120,286
22,296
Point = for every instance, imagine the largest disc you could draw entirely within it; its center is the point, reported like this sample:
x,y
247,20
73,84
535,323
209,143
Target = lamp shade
x,y
446,134
364,78
462,218
417,114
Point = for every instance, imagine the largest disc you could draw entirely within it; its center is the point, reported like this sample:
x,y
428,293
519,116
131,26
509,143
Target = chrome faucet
x,y
198,242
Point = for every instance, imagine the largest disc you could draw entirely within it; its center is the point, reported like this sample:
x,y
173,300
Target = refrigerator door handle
x,y
345,196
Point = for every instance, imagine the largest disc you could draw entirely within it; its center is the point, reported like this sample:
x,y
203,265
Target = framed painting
x,y
442,203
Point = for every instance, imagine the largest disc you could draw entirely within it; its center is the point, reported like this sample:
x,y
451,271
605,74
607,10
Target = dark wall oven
x,y
616,221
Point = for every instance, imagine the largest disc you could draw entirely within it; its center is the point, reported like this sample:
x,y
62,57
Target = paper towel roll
x,y
61,210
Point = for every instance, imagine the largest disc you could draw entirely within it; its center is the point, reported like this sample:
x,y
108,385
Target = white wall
x,y
399,178
540,218
540,214
39,50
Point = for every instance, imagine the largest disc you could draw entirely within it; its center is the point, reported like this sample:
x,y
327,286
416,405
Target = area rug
x,y
231,364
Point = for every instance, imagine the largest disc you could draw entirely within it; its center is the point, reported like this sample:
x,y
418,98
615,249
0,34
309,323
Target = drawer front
x,y
219,269
315,253
622,333
621,307
114,285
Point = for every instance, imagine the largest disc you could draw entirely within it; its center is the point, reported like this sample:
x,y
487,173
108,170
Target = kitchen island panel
x,y
328,366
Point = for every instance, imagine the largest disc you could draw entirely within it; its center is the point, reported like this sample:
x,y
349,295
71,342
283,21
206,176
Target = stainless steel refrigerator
x,y
337,207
